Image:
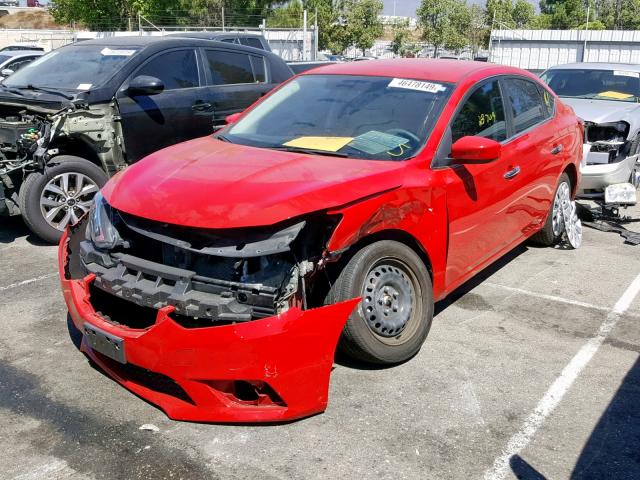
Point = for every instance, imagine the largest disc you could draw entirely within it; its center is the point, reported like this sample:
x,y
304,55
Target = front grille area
x,y
131,281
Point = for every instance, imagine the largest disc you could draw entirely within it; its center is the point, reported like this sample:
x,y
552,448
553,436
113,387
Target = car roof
x,y
210,35
440,70
145,40
631,67
21,53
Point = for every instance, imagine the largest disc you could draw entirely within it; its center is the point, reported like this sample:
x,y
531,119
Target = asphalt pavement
x,y
530,371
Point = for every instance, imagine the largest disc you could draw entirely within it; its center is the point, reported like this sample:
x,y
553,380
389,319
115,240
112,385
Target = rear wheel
x,y
52,200
553,228
392,321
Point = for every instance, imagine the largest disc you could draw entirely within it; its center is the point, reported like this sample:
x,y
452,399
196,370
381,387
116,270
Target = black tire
x,y
546,237
32,188
362,337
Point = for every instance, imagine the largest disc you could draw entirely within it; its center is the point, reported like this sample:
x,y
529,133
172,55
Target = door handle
x,y
556,150
512,173
201,107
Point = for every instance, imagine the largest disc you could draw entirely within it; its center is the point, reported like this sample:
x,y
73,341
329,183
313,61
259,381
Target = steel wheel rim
x,y
390,284
65,198
561,201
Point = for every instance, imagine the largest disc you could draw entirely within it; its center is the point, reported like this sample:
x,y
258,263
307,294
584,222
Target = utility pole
x,y
394,8
315,36
304,35
223,19
586,29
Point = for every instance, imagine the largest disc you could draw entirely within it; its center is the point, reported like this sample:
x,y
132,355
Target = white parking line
x,y
561,385
552,298
27,282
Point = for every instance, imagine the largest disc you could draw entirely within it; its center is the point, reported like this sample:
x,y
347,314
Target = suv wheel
x,y
392,321
57,198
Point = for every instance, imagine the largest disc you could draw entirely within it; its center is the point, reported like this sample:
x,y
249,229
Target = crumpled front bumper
x,y
284,362
600,176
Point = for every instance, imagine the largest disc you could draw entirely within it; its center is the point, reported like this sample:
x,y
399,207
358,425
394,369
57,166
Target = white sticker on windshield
x,y
419,85
84,86
623,73
117,53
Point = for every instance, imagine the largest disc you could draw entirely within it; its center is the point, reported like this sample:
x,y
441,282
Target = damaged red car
x,y
216,277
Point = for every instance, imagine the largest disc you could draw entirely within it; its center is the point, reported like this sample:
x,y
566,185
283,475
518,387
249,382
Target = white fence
x,y
290,44
540,49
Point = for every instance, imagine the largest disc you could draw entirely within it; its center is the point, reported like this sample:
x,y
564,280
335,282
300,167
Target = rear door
x,y
179,113
479,196
536,147
236,79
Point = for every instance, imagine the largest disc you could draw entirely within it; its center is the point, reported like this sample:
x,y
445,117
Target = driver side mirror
x,y
145,85
6,72
233,118
475,150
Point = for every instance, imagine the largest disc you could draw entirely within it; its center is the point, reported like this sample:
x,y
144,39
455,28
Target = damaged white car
x,y
606,96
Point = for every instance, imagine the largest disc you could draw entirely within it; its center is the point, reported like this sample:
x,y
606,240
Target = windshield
x,y
376,118
76,67
617,85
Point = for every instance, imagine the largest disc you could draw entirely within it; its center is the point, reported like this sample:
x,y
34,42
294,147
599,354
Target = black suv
x,y
85,111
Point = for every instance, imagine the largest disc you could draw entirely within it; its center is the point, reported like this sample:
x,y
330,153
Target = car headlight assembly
x,y
100,230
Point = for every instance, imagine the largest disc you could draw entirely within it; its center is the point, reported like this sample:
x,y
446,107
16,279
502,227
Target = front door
x,y
479,196
179,113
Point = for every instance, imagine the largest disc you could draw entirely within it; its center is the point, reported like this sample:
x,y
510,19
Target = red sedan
x,y
215,277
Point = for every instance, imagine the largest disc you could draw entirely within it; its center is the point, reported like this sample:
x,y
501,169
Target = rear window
x,y
229,67
527,105
252,42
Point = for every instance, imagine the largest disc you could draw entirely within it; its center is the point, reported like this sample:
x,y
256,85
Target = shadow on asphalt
x,y
613,448
346,361
12,228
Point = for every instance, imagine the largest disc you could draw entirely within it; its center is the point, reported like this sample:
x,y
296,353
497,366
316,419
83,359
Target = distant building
x,y
391,20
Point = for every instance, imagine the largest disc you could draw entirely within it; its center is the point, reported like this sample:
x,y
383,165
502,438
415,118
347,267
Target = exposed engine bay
x,y
209,277
30,136
608,142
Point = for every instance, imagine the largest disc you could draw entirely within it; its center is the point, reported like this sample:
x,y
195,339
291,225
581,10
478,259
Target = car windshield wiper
x,y
310,151
222,138
12,90
46,90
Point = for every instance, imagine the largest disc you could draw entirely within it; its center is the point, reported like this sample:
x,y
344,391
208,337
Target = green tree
x,y
444,23
363,27
522,13
401,35
500,13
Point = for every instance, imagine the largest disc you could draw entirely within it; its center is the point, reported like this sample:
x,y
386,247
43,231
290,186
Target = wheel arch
x,y
572,173
397,235
77,148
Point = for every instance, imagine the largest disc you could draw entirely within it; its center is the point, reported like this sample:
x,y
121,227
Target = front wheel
x,y
52,200
392,321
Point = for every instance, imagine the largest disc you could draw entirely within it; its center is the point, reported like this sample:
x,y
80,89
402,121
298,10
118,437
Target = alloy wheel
x,y
65,198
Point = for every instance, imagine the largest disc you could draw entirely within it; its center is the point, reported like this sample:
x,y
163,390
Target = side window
x,y
229,40
252,42
258,68
527,103
229,67
549,103
18,64
177,69
481,115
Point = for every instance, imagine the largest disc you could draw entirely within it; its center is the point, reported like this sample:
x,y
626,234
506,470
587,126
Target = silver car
x,y
13,60
606,97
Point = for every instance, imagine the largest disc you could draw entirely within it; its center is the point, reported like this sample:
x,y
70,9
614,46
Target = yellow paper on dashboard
x,y
327,144
616,95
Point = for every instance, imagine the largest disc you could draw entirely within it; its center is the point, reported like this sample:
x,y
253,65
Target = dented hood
x,y
212,184
603,111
